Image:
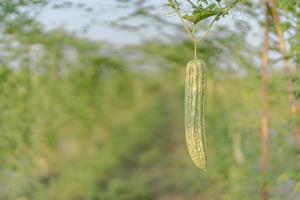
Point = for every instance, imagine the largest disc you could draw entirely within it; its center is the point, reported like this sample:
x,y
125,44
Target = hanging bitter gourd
x,y
195,89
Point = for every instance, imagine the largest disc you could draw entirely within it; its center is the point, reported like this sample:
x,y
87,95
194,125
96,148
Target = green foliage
x,y
87,127
204,9
9,7
202,13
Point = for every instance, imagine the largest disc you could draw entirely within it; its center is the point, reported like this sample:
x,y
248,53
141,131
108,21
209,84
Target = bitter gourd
x,y
195,88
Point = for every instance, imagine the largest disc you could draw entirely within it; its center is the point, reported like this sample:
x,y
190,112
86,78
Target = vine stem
x,y
192,3
186,26
191,33
195,50
207,31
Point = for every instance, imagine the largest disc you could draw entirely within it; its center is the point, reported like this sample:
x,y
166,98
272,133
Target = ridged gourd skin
x,y
195,88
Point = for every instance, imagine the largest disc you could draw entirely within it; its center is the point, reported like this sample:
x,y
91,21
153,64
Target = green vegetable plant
x,y
195,83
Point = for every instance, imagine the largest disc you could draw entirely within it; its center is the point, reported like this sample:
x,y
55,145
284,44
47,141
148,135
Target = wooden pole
x,y
265,103
287,69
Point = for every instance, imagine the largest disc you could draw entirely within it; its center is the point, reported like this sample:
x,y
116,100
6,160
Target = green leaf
x,y
204,1
172,4
203,13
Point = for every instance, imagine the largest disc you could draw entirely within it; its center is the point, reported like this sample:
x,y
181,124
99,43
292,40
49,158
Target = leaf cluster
x,y
204,9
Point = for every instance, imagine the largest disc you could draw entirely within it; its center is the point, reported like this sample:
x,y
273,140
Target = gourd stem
x,y
195,50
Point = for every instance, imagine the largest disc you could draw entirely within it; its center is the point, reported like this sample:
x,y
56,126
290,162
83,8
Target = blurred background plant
x,y
84,119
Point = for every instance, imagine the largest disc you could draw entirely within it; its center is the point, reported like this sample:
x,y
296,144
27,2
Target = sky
x,y
93,20
97,20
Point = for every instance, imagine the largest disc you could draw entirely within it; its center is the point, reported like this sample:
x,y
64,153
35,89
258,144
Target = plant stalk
x,y
287,69
265,104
